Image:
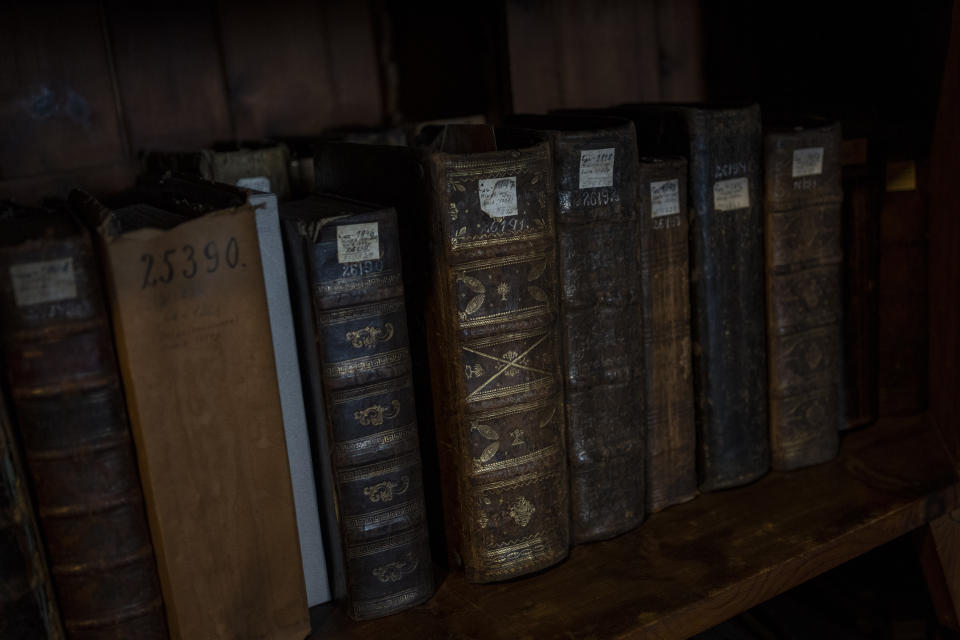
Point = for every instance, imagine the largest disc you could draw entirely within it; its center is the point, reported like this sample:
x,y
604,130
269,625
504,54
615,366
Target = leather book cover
x,y
352,257
487,287
862,207
601,319
193,334
804,255
723,147
27,602
665,267
73,424
260,165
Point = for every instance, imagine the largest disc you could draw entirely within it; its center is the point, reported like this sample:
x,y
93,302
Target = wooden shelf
x,y
695,565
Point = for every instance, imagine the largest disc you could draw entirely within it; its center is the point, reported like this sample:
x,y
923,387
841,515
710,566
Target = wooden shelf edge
x,y
697,564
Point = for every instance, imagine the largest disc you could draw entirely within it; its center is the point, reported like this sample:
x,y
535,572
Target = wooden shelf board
x,y
697,564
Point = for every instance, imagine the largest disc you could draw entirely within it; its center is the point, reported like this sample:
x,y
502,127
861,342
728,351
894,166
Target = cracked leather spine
x,y
73,422
804,260
496,360
360,324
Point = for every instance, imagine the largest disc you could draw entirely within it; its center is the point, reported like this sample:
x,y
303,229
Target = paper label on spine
x,y
807,162
596,168
258,183
42,282
665,198
732,194
358,242
498,197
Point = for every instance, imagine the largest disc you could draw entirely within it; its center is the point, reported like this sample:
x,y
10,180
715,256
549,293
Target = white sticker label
x,y
807,162
358,242
732,194
40,282
665,198
596,168
498,197
258,183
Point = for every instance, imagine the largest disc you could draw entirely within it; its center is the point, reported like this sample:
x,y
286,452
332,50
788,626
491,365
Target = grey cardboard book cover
x,y
194,344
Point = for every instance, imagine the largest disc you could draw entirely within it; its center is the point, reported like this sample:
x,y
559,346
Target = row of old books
x,y
500,341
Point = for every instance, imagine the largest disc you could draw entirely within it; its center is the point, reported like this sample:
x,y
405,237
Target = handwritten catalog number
x,y
160,269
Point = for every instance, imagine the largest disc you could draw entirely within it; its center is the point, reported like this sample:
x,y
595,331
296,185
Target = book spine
x,y
727,296
601,329
496,355
73,422
862,203
361,327
804,290
664,264
26,592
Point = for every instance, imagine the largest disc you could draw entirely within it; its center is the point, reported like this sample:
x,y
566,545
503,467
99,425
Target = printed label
x,y
358,242
729,195
498,197
596,168
40,282
665,198
258,183
807,162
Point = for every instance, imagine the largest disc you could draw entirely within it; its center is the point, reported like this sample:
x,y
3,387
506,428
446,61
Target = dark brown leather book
x,y
27,603
73,422
601,319
352,255
724,151
804,252
862,203
665,269
491,311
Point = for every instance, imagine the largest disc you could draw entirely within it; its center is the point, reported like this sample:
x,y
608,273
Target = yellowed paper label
x,y
596,168
358,242
807,162
498,196
41,282
732,194
665,198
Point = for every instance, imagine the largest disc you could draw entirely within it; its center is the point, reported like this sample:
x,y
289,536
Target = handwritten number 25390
x,y
187,262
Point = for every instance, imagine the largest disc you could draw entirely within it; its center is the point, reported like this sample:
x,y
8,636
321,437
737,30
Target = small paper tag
x,y
358,242
807,162
665,198
596,168
41,282
498,197
258,183
732,194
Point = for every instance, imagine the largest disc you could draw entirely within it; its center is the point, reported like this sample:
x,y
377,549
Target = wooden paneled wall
x,y
84,85
590,53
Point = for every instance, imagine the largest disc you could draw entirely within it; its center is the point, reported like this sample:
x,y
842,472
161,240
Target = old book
x,y
804,253
665,268
601,319
73,423
723,147
259,165
26,591
193,332
862,203
491,310
353,277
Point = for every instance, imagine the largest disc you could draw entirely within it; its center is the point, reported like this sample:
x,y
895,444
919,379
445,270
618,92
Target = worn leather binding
x,y
353,258
804,252
26,592
602,327
664,267
723,146
73,422
491,312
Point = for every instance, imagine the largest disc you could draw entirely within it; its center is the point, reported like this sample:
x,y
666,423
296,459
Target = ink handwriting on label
x,y
187,263
44,281
730,195
498,196
596,168
358,242
665,198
